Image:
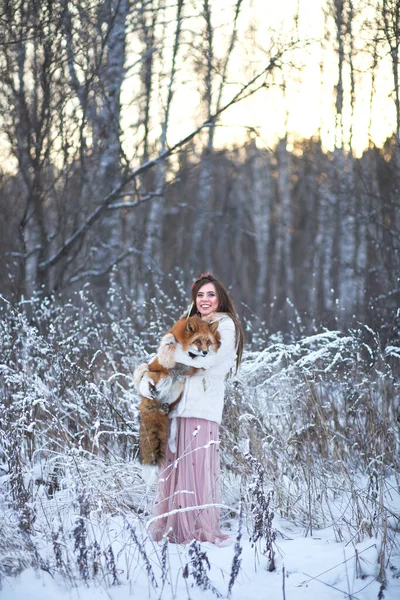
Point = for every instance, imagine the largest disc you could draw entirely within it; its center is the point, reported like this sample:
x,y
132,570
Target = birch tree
x,y
32,100
390,18
155,217
95,38
212,88
261,194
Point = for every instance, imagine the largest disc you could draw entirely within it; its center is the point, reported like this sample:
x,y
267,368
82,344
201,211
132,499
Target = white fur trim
x,y
144,386
172,435
149,474
169,390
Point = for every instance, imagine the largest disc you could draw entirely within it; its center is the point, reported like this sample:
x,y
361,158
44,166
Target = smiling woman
x,y
207,300
189,491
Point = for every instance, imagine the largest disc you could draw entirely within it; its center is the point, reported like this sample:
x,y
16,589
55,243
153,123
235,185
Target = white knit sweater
x,y
203,394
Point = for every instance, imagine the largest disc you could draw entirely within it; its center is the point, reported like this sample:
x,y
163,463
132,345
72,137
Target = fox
x,y
166,381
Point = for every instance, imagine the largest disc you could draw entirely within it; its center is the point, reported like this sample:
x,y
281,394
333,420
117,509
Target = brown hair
x,y
225,305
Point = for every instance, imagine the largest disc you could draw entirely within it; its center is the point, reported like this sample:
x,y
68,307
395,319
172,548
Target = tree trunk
x,y
261,192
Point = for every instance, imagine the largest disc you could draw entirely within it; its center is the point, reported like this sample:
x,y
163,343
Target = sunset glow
x,y
300,97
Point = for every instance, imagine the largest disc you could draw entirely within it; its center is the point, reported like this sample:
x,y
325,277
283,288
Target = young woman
x,y
189,482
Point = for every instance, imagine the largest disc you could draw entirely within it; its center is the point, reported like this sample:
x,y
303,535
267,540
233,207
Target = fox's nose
x,y
204,352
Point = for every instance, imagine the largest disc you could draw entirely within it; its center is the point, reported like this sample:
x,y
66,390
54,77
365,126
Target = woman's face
x,y
207,299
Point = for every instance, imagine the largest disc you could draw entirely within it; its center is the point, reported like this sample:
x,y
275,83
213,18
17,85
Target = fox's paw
x,y
168,340
166,351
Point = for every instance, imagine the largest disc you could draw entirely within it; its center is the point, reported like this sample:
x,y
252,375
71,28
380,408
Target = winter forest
x,y
144,142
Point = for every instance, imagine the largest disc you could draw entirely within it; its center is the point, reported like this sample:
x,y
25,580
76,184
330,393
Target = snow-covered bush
x,y
321,415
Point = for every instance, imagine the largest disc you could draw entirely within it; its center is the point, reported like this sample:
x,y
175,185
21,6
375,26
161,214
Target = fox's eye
x,y
208,342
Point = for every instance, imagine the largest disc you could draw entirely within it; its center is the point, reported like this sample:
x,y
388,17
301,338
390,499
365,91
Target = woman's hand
x,y
143,384
208,318
147,387
138,375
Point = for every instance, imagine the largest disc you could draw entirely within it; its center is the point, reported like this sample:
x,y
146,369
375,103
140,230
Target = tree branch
x,y
99,273
243,93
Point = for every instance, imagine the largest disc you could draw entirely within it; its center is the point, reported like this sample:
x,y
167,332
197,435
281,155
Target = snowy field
x,y
306,567
310,466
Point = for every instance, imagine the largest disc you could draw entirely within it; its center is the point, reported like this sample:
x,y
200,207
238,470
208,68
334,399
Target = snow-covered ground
x,y
74,544
310,431
306,567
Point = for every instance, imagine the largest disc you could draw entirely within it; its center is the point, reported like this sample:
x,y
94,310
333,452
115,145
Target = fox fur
x,y
166,380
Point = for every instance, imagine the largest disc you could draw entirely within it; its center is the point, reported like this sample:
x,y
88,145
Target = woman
x,y
189,482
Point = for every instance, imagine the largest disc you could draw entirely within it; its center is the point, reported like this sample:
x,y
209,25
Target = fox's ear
x,y
214,327
191,326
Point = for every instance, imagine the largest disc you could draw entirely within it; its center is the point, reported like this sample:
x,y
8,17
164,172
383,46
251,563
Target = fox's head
x,y
197,337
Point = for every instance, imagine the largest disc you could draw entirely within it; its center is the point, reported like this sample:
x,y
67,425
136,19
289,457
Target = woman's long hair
x,y
225,305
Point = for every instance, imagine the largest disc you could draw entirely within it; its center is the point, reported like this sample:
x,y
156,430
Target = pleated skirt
x,y
189,487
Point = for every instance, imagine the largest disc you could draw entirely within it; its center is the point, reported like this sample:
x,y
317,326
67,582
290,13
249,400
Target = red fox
x,y
166,380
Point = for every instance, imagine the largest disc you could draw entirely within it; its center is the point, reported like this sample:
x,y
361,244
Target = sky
x,y
305,107
299,99
309,97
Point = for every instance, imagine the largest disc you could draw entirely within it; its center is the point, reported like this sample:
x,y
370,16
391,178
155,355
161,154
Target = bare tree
x,y
352,56
390,15
212,91
261,195
337,10
95,37
373,70
156,212
32,98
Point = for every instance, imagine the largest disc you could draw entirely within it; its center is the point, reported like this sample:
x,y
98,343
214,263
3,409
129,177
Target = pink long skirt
x,y
189,486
